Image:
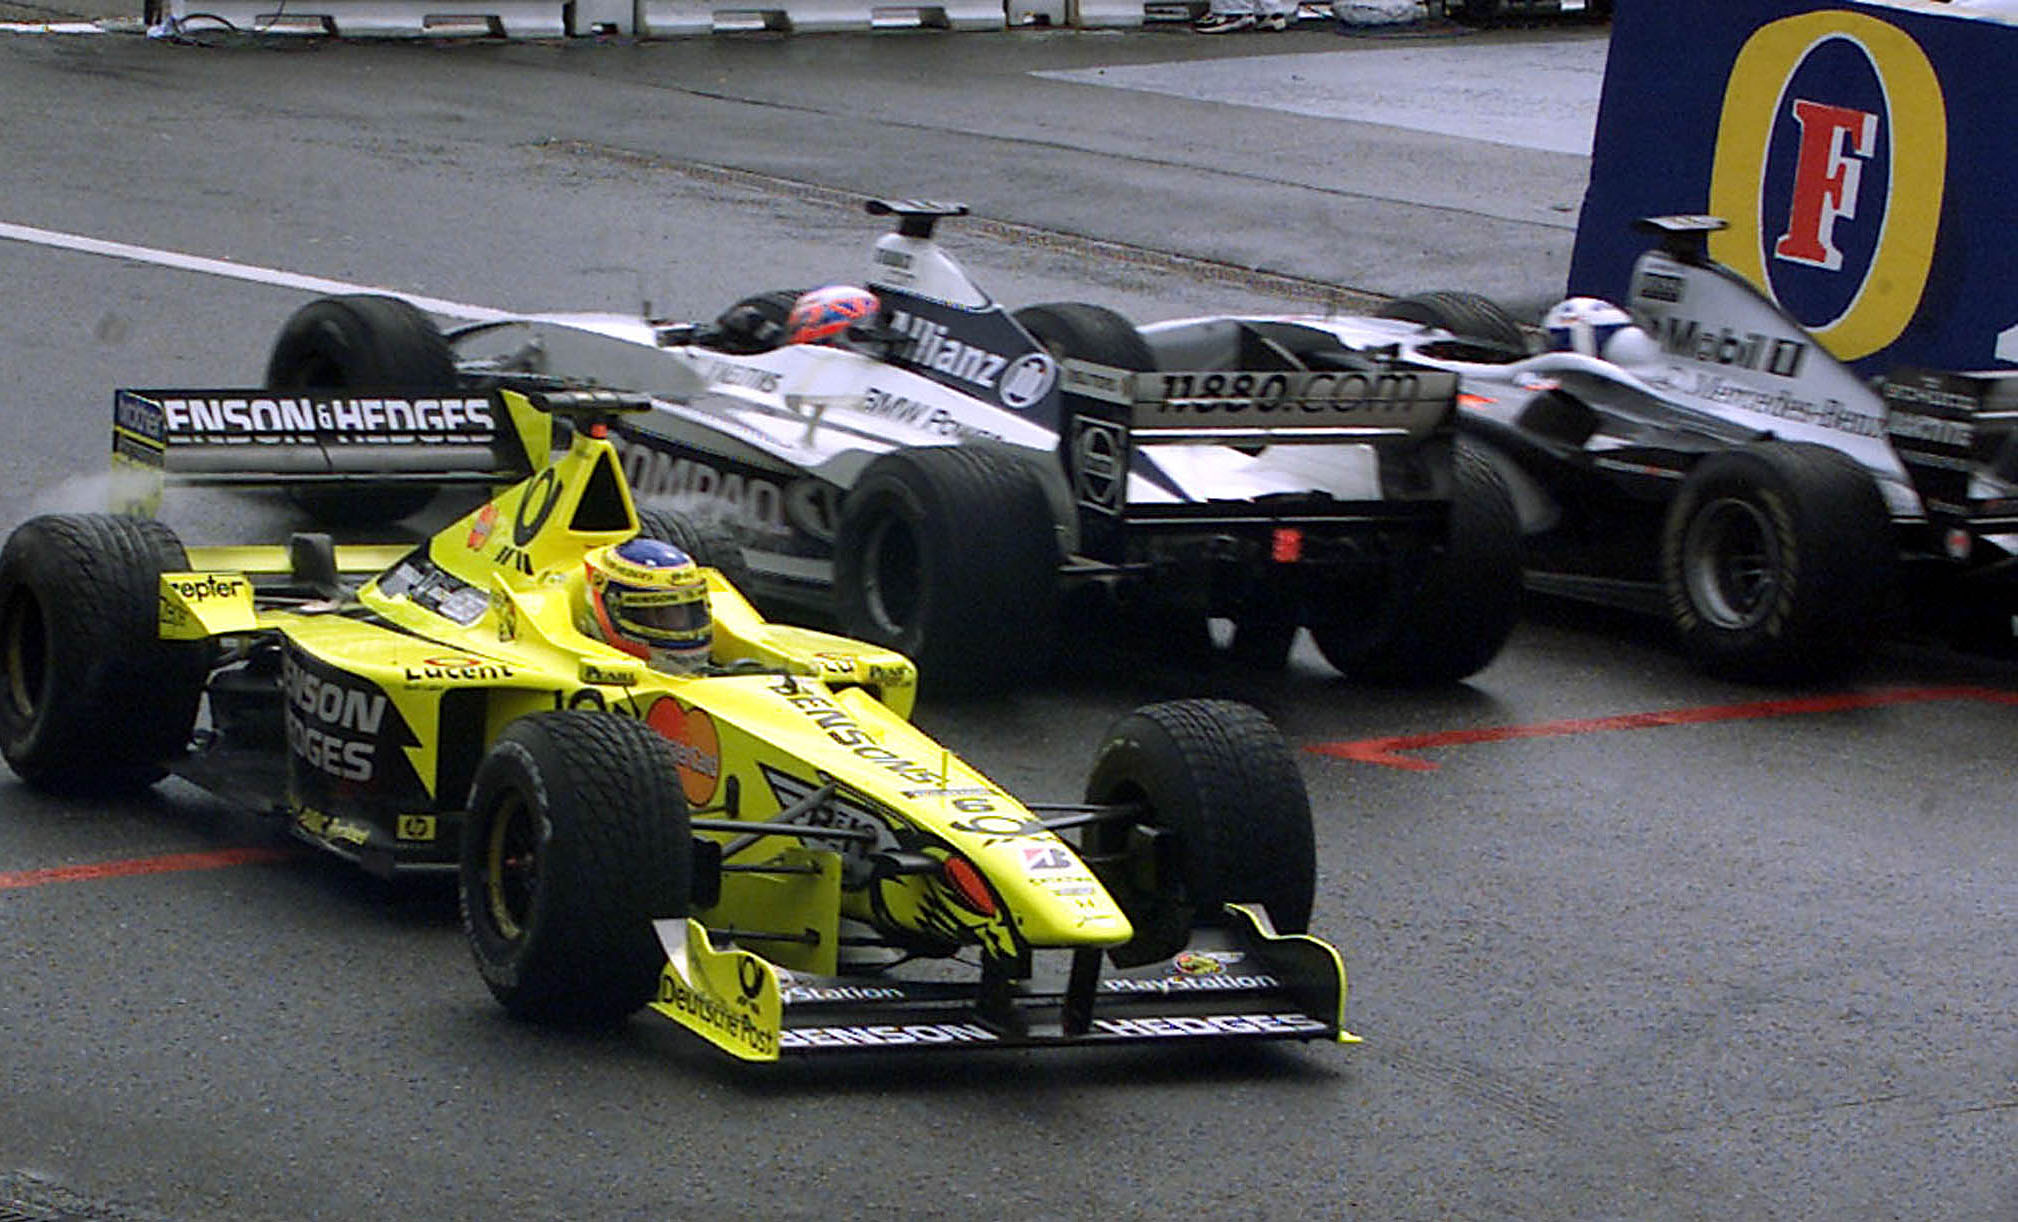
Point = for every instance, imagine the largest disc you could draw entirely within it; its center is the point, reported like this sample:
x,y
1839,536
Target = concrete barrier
x,y
378,18
1107,14
645,18
686,18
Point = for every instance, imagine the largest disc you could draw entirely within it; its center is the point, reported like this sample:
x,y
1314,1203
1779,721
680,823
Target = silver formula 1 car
x,y
1712,463
956,475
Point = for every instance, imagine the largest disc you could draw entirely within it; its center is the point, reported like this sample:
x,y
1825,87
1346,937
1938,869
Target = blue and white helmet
x,y
1583,324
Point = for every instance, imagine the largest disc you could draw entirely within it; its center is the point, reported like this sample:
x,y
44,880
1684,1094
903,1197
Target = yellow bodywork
x,y
408,680
198,605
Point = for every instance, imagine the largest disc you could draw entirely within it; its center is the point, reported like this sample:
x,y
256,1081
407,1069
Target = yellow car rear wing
x,y
327,437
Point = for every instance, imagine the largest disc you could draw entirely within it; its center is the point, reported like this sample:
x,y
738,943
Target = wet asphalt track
x,y
1747,957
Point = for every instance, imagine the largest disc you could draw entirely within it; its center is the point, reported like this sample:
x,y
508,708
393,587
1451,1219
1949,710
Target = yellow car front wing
x,y
1239,980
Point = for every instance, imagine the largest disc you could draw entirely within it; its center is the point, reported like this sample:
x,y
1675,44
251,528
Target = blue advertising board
x,y
1862,154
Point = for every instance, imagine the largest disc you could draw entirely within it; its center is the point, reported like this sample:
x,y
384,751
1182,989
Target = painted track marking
x,y
1387,751
215,859
57,239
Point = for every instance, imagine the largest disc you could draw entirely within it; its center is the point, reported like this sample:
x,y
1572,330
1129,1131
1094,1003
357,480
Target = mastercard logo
x,y
697,749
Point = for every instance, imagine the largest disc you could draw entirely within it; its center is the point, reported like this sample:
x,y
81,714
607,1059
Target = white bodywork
x,y
774,418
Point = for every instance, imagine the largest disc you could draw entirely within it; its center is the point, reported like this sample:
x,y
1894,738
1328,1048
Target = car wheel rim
x,y
511,867
892,576
1732,564
24,650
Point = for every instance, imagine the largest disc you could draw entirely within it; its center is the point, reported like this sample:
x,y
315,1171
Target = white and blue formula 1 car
x,y
1715,465
957,475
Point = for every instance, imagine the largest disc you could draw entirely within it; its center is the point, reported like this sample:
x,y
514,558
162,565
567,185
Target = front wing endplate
x,y
727,997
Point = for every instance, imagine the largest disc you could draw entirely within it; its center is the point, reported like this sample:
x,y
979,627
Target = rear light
x,y
967,886
1287,545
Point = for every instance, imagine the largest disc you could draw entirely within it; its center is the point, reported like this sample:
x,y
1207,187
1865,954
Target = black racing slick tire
x,y
1469,316
92,700
577,838
361,342
949,555
709,540
1218,814
1777,562
1070,329
1439,613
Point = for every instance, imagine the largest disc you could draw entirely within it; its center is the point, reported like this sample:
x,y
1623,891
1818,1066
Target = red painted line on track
x,y
1387,751
214,860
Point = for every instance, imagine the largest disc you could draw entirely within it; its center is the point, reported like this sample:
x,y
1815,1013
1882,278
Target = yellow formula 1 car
x,y
764,850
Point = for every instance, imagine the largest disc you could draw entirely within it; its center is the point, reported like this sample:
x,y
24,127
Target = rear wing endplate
x,y
1956,432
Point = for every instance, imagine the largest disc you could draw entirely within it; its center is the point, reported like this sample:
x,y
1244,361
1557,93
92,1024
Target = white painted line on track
x,y
236,271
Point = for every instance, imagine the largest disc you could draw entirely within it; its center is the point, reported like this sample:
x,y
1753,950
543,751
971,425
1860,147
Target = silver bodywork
x,y
1721,367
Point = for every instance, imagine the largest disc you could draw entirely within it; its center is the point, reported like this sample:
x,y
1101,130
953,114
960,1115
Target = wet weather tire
x,y
710,542
774,305
1223,818
1469,316
361,342
754,324
91,699
948,555
1777,561
576,840
1439,613
1070,329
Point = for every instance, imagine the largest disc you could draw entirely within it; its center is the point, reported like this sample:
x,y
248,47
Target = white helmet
x,y
1632,348
1583,324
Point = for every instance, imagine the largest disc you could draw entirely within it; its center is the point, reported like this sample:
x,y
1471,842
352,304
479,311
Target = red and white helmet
x,y
823,315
